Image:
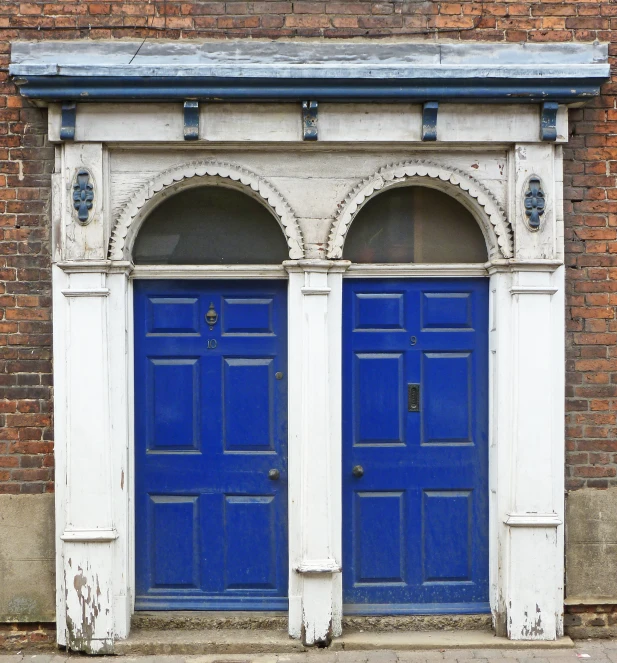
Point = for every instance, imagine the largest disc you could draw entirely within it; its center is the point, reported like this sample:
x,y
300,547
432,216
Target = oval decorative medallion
x,y
83,196
534,202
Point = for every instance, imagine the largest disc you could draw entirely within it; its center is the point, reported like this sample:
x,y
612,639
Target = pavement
x,y
584,651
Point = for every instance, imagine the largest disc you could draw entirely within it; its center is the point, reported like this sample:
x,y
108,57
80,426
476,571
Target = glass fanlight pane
x,y
210,225
415,224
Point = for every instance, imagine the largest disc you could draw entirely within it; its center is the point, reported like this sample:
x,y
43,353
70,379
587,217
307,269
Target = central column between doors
x,y
315,550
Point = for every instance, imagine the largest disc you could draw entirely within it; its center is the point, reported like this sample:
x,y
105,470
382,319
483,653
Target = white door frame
x,y
94,399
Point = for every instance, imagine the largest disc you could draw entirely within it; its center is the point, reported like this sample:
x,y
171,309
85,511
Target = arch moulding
x,y
472,194
150,195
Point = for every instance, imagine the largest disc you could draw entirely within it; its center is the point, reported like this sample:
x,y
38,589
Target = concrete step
x,y
154,642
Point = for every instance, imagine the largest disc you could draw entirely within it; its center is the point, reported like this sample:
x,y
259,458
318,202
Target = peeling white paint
x,y
93,379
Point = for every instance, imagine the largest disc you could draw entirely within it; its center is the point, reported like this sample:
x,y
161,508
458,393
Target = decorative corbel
x,y
429,120
548,121
68,119
309,120
191,120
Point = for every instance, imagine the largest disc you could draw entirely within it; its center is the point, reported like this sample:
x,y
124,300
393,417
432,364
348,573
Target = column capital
x,y
316,265
96,266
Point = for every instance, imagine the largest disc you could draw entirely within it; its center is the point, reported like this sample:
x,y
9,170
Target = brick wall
x,y
26,161
591,250
26,447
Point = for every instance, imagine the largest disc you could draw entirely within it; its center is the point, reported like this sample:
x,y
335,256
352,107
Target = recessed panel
x,y
446,398
376,311
173,315
247,316
250,526
379,537
446,310
173,408
174,561
378,403
447,526
248,404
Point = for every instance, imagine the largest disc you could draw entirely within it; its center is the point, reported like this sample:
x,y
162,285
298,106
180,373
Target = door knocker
x,y
211,316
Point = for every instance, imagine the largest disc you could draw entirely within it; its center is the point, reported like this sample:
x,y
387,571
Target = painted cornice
x,y
295,71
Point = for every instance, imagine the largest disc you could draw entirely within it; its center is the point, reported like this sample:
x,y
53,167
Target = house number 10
x,y
211,343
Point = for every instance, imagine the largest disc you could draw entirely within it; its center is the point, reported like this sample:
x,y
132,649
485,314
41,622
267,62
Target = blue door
x,y
211,445
415,446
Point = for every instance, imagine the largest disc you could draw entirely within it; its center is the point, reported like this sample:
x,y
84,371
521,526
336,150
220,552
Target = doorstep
x,y
187,642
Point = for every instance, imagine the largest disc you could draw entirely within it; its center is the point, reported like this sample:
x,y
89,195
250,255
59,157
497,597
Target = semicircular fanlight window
x,y
415,224
210,225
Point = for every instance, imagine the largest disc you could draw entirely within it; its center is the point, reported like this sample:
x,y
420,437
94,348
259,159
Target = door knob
x,y
358,471
274,475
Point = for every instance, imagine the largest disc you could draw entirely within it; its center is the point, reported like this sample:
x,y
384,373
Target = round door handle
x,y
274,475
358,471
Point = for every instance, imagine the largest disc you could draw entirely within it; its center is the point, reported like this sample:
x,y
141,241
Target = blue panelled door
x,y
211,445
415,446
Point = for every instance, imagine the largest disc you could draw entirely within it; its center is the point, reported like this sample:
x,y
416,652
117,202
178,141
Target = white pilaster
x,y
315,310
500,440
534,583
86,530
120,390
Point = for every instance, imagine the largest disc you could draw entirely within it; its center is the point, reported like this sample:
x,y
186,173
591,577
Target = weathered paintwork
x,y
415,419
295,71
210,425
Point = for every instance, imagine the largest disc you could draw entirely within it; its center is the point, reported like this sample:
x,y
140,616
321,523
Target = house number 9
x,y
211,343
413,340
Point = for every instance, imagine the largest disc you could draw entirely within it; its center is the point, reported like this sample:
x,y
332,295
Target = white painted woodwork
x,y
370,122
83,415
536,160
137,158
406,270
250,122
322,182
121,427
282,123
487,123
84,242
457,183
315,479
535,582
209,272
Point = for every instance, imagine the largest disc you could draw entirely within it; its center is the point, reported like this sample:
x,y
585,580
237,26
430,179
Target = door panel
x,y
210,422
380,409
416,521
446,379
379,523
172,541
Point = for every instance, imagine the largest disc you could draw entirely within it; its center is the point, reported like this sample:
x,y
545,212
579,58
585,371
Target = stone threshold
x,y
209,620
154,642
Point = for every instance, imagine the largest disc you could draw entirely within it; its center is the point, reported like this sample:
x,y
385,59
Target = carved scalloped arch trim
x,y
123,230
497,231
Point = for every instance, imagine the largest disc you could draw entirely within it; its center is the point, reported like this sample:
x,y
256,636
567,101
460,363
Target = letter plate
x,y
413,397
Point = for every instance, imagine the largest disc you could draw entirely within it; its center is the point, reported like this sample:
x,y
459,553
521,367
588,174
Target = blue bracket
x,y
191,120
309,120
429,120
68,118
548,121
